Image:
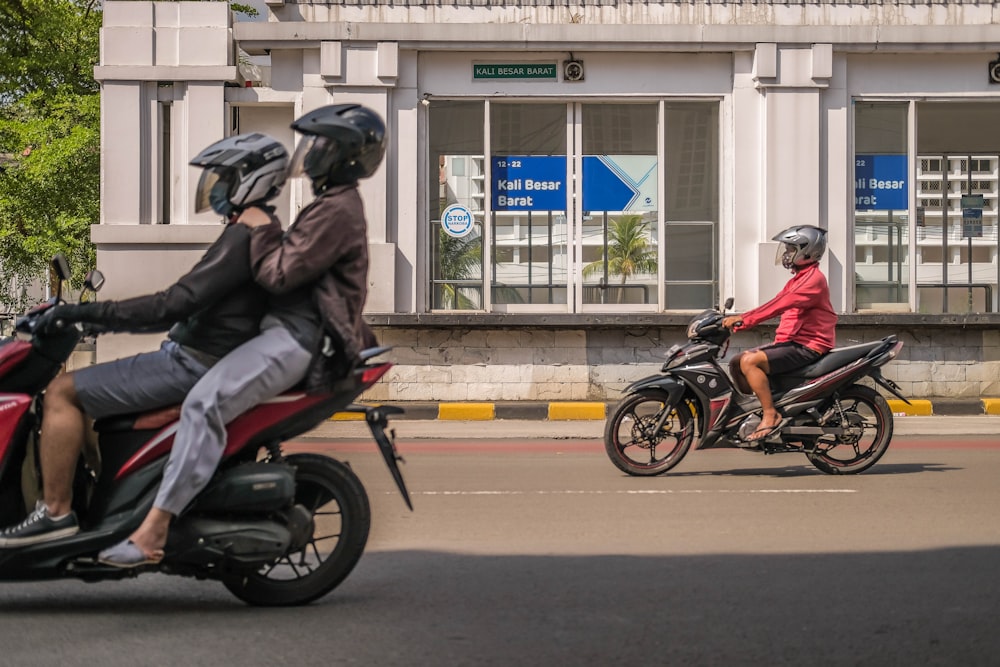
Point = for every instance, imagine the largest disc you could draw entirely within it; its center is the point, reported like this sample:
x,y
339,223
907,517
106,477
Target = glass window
x,y
691,159
457,189
881,195
633,250
529,200
957,194
620,203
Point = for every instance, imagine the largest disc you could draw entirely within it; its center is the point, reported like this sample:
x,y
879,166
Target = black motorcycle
x,y
841,425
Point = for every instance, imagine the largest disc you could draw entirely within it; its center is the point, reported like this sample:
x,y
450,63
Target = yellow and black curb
x,y
597,410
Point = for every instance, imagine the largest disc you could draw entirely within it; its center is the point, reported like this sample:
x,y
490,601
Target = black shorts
x,y
785,357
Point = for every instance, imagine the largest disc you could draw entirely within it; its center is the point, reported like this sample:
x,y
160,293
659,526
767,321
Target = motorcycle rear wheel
x,y
629,439
341,514
869,422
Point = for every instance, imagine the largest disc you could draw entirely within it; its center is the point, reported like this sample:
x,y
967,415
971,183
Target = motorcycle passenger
x,y
212,309
805,332
317,273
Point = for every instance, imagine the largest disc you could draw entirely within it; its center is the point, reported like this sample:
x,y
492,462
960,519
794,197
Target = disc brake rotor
x,y
643,434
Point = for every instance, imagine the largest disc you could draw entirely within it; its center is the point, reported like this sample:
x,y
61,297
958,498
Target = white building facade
x,y
567,183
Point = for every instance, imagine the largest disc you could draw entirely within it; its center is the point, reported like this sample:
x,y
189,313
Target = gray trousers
x,y
143,382
256,371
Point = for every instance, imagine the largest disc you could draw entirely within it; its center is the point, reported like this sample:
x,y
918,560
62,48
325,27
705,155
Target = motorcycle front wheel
x,y
648,435
867,421
341,514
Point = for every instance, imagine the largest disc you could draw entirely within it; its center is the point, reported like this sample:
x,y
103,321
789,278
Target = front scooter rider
x,y
316,271
807,327
212,309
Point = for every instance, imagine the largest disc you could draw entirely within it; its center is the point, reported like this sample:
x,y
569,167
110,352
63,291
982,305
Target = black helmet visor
x,y
313,156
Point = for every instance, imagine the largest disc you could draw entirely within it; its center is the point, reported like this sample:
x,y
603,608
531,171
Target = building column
x,y
791,81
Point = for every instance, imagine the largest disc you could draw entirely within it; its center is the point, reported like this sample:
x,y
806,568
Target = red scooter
x,y
274,529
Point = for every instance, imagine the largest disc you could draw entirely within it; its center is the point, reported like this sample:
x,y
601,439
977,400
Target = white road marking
x,y
623,492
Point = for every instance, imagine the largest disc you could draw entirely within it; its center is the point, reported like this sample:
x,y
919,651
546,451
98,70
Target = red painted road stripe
x,y
446,446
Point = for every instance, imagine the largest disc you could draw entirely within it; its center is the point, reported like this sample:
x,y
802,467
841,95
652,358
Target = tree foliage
x,y
48,45
629,251
49,137
459,259
50,191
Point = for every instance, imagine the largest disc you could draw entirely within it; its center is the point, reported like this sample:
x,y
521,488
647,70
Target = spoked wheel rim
x,y
864,415
647,435
327,531
335,518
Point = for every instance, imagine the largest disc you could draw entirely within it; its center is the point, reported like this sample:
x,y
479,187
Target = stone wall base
x,y
524,364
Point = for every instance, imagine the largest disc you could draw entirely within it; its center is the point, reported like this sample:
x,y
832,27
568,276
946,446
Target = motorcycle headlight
x,y
672,357
674,362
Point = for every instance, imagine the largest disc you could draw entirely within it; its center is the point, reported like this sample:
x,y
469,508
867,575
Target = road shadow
x,y
810,470
929,607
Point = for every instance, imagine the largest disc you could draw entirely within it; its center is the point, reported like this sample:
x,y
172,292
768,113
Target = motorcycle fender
x,y
889,386
377,418
671,386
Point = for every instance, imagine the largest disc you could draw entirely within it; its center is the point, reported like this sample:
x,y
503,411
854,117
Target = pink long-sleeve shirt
x,y
807,317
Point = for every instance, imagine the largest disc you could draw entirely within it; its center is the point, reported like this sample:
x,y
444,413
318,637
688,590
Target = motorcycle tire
x,y
629,430
334,495
870,422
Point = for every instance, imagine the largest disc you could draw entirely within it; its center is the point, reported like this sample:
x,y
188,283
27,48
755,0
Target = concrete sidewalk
x,y
499,429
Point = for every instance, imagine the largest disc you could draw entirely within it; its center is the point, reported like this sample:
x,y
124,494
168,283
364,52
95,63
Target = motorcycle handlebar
x,y
28,323
93,329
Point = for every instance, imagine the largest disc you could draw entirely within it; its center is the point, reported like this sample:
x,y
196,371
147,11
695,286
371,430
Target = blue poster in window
x,y
880,183
619,183
529,182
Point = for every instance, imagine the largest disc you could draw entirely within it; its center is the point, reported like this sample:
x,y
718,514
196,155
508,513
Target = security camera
x,y
573,70
994,70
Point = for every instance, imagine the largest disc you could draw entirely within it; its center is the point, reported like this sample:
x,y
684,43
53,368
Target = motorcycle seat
x,y
155,419
139,421
834,359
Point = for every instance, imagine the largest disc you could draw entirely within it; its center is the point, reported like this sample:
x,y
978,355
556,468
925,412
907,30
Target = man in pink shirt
x,y
805,332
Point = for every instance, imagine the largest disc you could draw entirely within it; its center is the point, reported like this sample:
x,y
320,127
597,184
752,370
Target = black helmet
x,y
343,143
239,171
803,245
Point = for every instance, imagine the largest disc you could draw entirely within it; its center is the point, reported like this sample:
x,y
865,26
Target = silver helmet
x,y
802,245
240,170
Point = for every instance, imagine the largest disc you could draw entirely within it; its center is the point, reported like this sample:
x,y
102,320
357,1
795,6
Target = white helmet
x,y
802,245
241,170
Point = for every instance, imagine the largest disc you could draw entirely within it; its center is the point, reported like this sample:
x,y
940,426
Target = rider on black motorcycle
x,y
213,308
807,326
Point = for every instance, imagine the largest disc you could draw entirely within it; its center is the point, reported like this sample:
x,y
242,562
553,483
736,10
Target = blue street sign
x,y
619,182
529,182
880,183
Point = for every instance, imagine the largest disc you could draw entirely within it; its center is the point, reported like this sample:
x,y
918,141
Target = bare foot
x,y
767,425
151,536
153,548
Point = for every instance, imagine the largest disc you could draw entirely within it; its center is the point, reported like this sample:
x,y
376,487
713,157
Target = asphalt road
x,y
540,552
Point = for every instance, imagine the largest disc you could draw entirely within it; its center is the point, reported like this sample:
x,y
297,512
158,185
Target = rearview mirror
x,y
61,266
94,280
729,303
